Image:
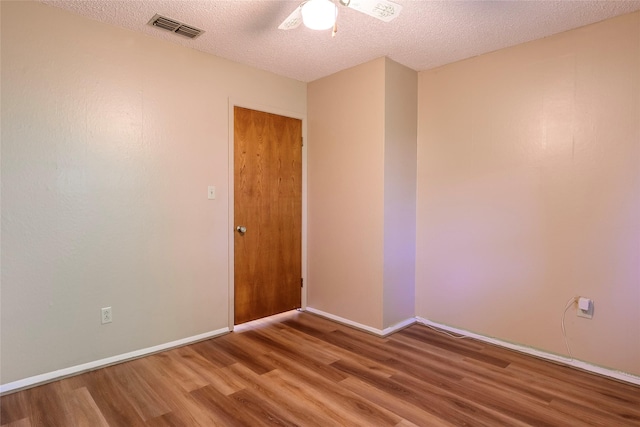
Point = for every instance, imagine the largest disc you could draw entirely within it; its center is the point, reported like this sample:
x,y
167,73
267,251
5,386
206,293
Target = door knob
x,y
241,229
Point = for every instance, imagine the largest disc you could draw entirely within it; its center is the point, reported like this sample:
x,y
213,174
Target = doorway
x,y
267,214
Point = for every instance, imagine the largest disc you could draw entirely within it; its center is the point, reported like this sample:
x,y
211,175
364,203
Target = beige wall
x,y
345,193
109,141
529,193
362,178
401,109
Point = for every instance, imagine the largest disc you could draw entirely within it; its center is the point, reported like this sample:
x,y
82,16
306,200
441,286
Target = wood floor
x,y
299,369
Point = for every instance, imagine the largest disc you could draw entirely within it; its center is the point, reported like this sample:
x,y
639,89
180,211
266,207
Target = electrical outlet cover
x,y
584,303
587,314
106,315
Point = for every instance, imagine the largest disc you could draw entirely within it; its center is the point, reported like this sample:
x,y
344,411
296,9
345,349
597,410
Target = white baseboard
x,y
375,331
618,375
90,366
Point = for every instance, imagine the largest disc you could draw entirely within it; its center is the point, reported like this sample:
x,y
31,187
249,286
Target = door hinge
x,y
301,282
302,141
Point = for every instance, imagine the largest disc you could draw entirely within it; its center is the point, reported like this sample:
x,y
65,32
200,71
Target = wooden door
x,y
268,203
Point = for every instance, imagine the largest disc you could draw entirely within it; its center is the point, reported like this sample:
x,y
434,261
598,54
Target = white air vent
x,y
175,26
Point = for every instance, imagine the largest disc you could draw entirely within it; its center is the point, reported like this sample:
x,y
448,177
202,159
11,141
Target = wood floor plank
x,y
300,369
208,350
208,373
146,401
468,348
49,406
312,323
322,406
322,352
399,353
419,346
189,413
405,423
235,351
24,422
263,411
218,378
114,405
436,401
84,410
14,408
593,415
172,368
582,390
297,409
368,412
404,409
228,411
369,348
343,349
517,406
171,419
465,367
297,354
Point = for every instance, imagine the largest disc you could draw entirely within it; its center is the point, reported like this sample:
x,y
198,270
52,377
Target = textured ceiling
x,y
427,34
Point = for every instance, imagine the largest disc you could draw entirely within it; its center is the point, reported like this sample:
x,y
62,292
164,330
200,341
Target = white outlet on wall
x,y
106,315
585,308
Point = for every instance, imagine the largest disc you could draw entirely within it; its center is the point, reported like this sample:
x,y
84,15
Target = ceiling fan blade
x,y
293,21
383,10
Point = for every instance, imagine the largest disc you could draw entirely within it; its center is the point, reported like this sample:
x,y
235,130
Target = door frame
x,y
231,225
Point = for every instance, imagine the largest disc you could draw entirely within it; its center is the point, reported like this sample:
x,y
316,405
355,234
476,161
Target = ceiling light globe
x,y
319,14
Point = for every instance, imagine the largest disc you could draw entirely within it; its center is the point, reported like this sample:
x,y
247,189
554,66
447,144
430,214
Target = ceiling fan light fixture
x,y
319,14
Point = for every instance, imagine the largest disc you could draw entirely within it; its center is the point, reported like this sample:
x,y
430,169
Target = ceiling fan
x,y
322,14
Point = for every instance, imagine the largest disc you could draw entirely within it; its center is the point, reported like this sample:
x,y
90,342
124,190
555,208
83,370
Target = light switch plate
x,y
212,192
